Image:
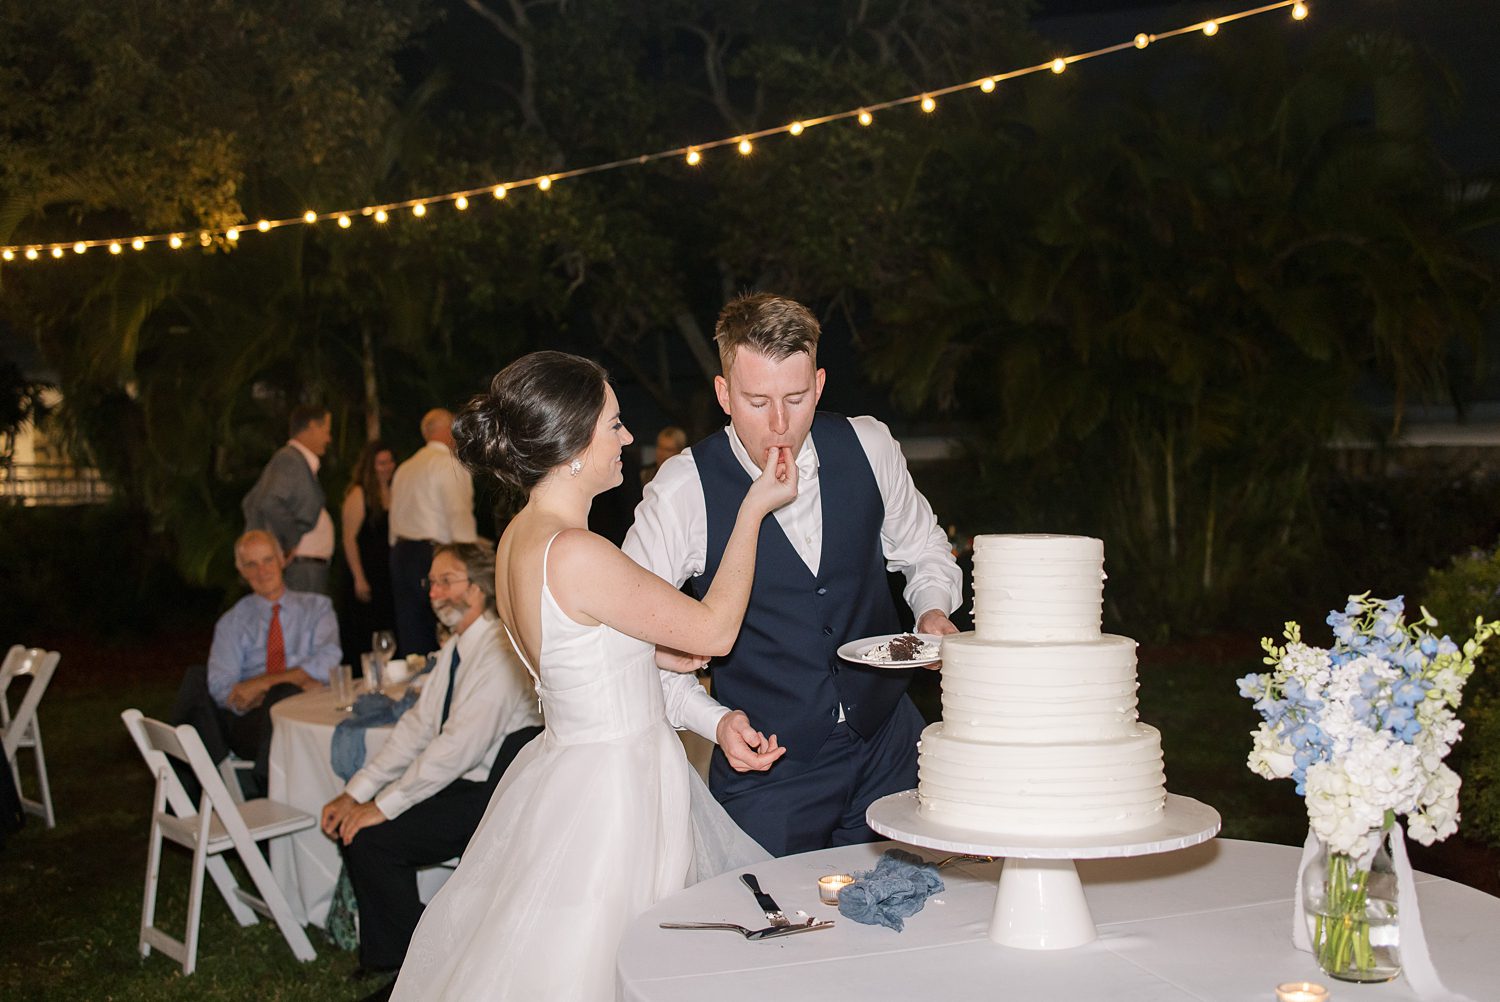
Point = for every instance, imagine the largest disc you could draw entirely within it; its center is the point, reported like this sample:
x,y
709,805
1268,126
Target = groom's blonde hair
x,y
773,326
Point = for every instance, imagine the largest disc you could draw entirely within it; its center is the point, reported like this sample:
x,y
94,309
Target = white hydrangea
x,y
1339,812
1309,665
1437,815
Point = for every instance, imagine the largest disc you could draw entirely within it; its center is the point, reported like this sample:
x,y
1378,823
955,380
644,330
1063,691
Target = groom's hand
x,y
935,622
747,749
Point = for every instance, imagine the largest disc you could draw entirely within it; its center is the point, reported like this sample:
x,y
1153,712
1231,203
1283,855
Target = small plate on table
x,y
862,652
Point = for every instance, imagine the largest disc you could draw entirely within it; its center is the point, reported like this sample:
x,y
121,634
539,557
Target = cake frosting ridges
x,y
1040,734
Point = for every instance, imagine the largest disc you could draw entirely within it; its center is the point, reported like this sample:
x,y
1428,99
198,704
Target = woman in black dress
x,y
368,606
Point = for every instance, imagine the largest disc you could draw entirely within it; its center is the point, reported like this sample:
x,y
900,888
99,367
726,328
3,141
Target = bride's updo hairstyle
x,y
539,413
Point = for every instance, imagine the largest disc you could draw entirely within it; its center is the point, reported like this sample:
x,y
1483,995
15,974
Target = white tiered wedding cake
x,y
1039,734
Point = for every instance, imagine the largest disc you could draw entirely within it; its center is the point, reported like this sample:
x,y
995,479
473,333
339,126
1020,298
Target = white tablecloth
x,y
306,865
1208,923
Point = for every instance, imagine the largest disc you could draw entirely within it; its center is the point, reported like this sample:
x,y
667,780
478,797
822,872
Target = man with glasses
x,y
420,797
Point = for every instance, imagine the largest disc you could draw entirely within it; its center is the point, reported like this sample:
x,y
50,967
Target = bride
x,y
601,816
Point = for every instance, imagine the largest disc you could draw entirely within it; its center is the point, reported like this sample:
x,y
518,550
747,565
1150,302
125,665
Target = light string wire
x,y
692,153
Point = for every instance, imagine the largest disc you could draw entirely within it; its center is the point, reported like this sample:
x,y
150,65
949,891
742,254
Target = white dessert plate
x,y
855,651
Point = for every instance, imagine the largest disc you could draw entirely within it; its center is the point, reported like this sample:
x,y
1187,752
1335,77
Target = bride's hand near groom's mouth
x,y
777,484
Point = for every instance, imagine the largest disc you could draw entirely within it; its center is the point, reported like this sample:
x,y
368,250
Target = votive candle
x,y
829,887
1301,991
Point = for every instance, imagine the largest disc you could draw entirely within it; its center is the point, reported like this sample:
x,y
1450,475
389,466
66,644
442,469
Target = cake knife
x,y
767,903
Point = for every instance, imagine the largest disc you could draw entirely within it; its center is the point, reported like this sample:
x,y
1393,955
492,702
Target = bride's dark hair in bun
x,y
539,413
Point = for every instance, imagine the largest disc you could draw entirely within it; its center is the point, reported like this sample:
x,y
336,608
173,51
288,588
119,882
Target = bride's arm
x,y
592,578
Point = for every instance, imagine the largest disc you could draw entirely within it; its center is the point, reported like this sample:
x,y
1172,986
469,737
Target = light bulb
x,y
232,233
1142,40
1299,11
928,104
1211,28
745,147
174,241
265,224
137,244
460,203
419,210
114,248
204,238
865,118
80,247
795,128
380,216
499,191
31,254
987,85
345,222
58,251
694,158
309,216
544,183
1059,64
7,254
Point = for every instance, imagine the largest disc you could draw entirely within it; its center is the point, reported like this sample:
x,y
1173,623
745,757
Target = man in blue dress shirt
x,y
271,644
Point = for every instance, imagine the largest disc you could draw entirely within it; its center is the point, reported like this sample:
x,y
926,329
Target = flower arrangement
x,y
1363,728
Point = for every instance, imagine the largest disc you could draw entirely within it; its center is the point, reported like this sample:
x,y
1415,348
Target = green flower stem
x,y
1343,937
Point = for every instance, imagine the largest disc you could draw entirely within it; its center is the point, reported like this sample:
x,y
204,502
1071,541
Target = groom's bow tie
x,y
807,467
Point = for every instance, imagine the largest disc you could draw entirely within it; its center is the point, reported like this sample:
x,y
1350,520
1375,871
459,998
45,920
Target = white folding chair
x,y
216,826
21,729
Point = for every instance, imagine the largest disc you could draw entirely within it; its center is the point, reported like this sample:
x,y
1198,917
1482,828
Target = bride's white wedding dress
x,y
596,820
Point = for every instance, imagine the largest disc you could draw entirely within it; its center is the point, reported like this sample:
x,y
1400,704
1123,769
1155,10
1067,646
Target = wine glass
x,y
383,645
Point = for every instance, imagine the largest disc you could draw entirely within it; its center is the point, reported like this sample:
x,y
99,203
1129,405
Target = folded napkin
x,y
346,752
896,889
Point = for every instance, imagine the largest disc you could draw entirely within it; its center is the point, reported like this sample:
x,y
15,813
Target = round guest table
x,y
1211,922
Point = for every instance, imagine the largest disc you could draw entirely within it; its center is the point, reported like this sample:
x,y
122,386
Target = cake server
x,y
767,903
774,932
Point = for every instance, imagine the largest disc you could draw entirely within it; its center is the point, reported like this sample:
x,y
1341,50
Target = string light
x,y
927,101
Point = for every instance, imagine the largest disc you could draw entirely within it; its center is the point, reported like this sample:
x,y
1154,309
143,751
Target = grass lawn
x,y
71,897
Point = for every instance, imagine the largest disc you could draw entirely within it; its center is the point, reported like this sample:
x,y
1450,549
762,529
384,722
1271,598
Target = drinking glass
x,y
341,681
370,666
383,644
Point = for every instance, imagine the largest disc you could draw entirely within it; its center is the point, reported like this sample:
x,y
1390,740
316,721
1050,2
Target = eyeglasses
x,y
446,581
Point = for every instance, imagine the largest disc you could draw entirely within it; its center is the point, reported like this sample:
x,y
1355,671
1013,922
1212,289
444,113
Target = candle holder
x,y
830,886
1301,991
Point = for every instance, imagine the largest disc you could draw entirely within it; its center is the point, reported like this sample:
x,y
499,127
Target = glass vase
x,y
1351,914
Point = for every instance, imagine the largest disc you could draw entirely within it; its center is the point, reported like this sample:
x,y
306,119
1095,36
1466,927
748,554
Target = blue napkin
x,y
896,889
346,752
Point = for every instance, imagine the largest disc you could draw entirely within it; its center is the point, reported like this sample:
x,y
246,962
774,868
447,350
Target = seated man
x,y
422,795
271,644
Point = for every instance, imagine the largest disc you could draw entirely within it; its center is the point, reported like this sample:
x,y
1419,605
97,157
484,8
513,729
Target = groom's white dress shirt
x,y
670,539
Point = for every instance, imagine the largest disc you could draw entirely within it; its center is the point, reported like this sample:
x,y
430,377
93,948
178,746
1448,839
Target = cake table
x,y
1039,903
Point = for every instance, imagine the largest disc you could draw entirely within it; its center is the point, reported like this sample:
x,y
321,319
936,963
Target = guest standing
x,y
432,502
367,548
273,643
417,801
288,501
669,442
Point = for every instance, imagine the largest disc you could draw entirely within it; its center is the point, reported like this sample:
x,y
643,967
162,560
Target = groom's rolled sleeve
x,y
669,538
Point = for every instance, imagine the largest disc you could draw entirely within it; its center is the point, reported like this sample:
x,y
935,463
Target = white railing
x,y
45,484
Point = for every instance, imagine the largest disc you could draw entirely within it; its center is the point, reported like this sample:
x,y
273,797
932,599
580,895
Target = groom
x,y
849,732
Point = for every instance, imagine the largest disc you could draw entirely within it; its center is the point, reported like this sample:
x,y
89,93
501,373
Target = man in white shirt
x,y
288,501
432,502
849,732
417,802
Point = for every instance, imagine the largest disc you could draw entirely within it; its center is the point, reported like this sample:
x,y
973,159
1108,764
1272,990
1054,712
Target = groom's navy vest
x,y
784,670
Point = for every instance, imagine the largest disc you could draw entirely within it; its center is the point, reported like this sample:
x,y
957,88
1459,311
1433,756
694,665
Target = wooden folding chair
x,y
21,729
216,826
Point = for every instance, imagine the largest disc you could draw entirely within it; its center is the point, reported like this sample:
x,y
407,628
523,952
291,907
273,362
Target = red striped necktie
x,y
275,643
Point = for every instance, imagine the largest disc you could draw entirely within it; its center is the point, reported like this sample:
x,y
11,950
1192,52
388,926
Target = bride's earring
x,y
575,467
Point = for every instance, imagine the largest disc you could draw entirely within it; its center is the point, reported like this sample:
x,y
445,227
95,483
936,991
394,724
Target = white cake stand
x,y
1039,904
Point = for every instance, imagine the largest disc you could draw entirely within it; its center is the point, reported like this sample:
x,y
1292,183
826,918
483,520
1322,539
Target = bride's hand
x,y
777,483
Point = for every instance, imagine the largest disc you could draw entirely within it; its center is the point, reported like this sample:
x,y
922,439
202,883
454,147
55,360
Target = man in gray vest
x,y
848,732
